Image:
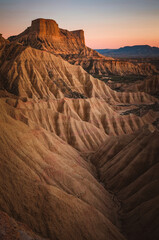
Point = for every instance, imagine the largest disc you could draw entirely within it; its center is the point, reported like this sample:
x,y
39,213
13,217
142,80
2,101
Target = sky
x,y
106,23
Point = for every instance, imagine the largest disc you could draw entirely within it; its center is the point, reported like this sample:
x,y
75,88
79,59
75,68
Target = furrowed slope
x,y
85,122
115,67
39,74
11,229
81,123
128,168
149,85
46,184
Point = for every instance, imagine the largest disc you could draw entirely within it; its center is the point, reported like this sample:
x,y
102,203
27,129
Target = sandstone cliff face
x,y
45,28
45,34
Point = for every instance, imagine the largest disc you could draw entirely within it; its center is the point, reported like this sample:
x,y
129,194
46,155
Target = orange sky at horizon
x,y
107,24
104,43
114,44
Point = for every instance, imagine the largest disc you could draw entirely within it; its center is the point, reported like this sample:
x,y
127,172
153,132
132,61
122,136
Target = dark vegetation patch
x,y
142,109
127,79
156,123
119,79
67,91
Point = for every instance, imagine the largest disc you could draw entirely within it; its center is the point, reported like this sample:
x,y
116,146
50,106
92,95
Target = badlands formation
x,y
73,166
45,34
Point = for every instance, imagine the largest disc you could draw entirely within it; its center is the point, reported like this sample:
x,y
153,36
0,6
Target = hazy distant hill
x,y
134,51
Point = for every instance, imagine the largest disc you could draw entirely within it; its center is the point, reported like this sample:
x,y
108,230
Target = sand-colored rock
x,y
113,66
45,27
54,190
45,34
36,75
149,85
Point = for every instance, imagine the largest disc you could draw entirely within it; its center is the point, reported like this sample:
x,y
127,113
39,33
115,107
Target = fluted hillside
x,y
128,167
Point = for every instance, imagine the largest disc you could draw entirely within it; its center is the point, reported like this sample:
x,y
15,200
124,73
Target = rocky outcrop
x,y
45,27
45,34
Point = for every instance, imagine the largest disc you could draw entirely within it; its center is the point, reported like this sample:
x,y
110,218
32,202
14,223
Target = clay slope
x,y
128,167
11,229
113,67
45,34
75,106
48,186
27,72
149,85
77,122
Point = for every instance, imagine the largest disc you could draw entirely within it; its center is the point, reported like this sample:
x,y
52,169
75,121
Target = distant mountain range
x,y
131,52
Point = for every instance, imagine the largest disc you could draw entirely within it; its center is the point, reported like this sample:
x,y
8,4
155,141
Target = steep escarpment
x,y
45,34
